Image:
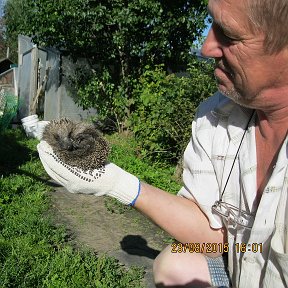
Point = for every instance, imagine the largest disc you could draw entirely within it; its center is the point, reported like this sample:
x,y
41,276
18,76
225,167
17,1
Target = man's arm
x,y
178,216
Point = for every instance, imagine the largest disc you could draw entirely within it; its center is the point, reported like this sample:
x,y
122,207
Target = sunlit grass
x,y
34,253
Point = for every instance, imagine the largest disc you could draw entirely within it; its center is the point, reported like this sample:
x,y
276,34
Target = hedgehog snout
x,y
66,144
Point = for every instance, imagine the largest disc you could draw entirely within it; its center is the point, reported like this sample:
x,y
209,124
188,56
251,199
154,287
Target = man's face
x,y
244,70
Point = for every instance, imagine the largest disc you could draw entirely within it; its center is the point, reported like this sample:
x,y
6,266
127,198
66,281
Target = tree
x,y
118,37
3,47
14,18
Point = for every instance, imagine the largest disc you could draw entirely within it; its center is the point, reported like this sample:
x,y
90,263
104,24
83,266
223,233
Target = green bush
x,y
111,101
8,109
165,105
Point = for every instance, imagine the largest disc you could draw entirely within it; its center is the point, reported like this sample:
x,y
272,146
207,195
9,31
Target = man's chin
x,y
236,97
230,93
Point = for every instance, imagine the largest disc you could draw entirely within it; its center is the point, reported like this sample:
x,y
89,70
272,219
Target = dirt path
x,y
129,237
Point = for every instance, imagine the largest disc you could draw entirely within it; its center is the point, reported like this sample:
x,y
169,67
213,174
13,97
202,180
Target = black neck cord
x,y
248,123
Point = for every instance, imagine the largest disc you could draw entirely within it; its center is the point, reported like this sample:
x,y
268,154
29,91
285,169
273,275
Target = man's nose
x,y
212,47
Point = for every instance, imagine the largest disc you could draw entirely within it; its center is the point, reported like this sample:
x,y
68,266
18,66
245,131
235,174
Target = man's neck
x,y
273,123
270,131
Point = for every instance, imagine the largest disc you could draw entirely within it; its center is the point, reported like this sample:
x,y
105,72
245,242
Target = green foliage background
x,y
109,31
118,38
166,104
129,47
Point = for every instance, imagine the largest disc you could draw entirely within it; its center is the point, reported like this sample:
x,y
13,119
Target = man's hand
x,y
180,217
108,180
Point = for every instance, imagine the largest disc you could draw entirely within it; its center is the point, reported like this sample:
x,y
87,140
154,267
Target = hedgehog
x,y
78,144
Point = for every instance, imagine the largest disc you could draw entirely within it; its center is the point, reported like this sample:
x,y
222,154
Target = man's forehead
x,y
219,10
222,3
229,3
216,8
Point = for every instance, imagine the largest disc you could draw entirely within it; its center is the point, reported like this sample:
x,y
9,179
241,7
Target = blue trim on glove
x,y
138,193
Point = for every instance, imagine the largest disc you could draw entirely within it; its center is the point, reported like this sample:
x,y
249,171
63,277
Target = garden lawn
x,y
34,253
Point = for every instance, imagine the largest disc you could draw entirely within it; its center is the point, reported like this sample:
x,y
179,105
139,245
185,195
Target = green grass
x,y
125,153
34,253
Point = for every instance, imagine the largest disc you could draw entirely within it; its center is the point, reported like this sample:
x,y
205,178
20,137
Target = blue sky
x,y
1,6
204,34
205,31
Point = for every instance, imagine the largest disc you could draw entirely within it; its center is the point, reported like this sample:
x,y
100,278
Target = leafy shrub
x,y
165,105
111,101
120,37
8,109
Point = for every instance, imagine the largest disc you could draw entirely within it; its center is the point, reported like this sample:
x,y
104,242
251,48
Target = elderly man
x,y
234,198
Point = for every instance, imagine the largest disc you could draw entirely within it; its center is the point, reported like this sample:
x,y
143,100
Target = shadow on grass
x,y
12,153
137,245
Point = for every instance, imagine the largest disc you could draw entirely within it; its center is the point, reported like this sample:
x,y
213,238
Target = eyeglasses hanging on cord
x,y
231,213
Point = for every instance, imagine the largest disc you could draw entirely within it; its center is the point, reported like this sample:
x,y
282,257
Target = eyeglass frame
x,y
233,214
230,216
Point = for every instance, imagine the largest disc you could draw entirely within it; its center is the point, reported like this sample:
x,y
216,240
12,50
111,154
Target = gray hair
x,y
270,17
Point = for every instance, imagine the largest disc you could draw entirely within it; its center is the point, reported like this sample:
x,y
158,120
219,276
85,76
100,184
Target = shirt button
x,y
249,259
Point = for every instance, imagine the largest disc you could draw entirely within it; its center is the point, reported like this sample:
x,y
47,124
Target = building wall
x,y
57,99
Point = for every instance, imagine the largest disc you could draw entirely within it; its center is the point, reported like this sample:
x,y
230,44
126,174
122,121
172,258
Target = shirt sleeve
x,y
199,178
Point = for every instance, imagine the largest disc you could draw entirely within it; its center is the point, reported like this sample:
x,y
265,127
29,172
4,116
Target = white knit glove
x,y
109,180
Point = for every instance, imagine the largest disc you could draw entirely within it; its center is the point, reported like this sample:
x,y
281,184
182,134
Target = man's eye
x,y
225,34
230,39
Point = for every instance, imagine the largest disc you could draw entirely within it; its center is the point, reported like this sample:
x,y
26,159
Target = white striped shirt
x,y
216,134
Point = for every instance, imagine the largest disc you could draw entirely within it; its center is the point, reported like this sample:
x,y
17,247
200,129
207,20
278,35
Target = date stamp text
x,y
207,248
